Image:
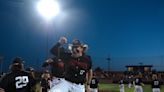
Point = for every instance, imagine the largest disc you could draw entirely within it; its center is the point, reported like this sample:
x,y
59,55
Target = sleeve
x,y
45,64
4,82
55,49
59,52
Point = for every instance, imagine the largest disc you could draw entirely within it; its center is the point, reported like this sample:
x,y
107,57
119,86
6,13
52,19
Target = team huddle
x,y
71,71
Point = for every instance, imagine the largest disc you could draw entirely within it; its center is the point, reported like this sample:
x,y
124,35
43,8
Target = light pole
x,y
108,61
1,62
48,9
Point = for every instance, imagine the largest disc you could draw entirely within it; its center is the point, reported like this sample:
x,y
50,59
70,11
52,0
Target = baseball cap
x,y
76,43
17,61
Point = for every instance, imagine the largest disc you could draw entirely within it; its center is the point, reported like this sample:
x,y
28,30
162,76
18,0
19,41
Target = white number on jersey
x,y
93,81
82,72
156,83
21,81
137,80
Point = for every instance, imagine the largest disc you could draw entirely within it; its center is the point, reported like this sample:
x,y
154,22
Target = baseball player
x,y
56,63
138,84
94,84
77,66
17,80
121,86
130,81
155,84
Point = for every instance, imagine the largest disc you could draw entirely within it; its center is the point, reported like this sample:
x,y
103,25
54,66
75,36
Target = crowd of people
x,y
135,80
71,71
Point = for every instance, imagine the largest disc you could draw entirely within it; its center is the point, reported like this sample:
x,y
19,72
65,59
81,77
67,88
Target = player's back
x,y
19,81
138,81
94,83
155,83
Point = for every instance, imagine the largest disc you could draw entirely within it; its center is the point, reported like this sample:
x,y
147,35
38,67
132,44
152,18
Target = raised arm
x,y
57,50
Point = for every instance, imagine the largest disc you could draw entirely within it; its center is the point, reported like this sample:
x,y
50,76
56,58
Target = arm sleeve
x,y
59,51
4,82
45,64
55,49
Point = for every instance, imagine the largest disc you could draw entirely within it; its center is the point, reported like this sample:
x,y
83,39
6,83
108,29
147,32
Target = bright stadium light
x,y
48,8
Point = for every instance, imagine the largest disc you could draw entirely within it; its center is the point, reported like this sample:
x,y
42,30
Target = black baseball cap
x,y
76,42
17,61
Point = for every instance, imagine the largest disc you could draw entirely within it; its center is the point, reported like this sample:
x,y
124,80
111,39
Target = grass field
x,y
115,88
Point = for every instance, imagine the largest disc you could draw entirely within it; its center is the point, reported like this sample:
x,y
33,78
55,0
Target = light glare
x,y
48,8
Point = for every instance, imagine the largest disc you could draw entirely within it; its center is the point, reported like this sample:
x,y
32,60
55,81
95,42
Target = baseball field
x,y
115,88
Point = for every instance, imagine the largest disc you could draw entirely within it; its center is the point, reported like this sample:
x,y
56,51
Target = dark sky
x,y
129,31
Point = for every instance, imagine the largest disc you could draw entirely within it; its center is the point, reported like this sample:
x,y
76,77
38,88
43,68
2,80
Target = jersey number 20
x,y
21,81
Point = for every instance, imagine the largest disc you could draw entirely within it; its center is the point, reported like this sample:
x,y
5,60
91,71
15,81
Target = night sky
x,y
128,31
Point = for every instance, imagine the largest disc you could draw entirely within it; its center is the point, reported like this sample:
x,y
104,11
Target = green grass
x,y
115,88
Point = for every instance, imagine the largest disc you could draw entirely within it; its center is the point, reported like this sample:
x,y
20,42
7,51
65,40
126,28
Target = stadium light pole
x,y
108,60
1,61
48,9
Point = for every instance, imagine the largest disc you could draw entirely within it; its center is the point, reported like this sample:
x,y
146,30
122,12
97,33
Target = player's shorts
x,y
156,90
122,88
66,86
138,88
130,85
94,90
56,81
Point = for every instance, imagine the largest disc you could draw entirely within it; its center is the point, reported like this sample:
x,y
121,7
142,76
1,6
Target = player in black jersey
x,y
121,86
76,68
130,81
17,80
138,83
94,84
155,84
56,62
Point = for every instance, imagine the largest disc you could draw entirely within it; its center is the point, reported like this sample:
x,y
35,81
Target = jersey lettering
x,y
82,72
137,80
156,83
21,81
93,82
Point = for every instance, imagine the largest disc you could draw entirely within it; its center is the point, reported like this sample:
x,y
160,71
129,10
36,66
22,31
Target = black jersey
x,y
57,66
155,84
75,69
121,82
19,81
138,81
94,83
